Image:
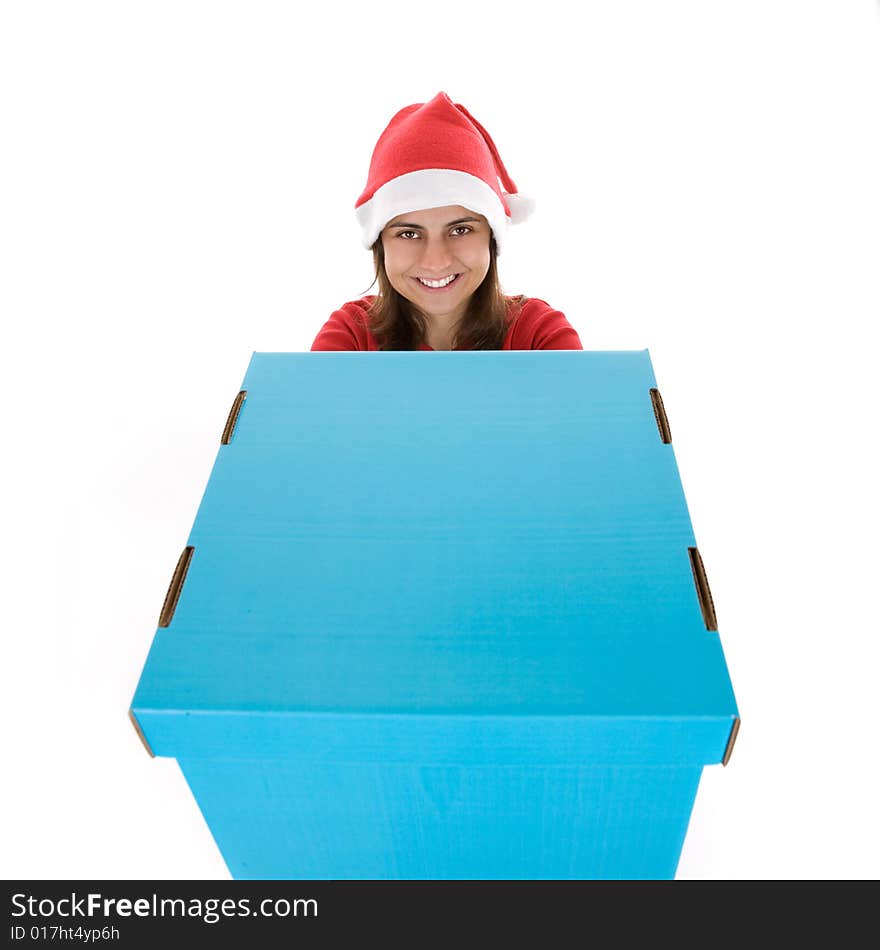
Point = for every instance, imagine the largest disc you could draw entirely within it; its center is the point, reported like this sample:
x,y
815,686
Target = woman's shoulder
x,y
521,307
537,325
357,310
347,328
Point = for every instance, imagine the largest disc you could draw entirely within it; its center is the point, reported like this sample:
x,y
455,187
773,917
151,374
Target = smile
x,y
438,284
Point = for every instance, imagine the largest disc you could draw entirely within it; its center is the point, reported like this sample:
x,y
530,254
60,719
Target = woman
x,y
435,217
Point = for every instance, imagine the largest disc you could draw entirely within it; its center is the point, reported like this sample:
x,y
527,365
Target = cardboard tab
x,y
703,593
730,742
175,587
232,418
140,733
660,416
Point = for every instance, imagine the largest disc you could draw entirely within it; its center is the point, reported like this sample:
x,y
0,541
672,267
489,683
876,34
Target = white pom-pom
x,y
521,206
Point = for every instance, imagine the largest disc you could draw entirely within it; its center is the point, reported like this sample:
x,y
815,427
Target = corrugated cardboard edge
x,y
175,587
232,418
140,733
730,742
660,416
704,595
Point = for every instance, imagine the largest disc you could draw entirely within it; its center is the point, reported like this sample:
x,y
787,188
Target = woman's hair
x,y
398,325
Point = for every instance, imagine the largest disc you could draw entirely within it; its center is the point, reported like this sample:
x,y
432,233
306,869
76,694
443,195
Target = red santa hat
x,y
434,154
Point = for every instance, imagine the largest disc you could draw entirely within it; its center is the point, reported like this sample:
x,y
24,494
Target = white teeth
x,y
437,283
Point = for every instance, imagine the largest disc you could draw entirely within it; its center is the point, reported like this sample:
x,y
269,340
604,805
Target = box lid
x,y
484,556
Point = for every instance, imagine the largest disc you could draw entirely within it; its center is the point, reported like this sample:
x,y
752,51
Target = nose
x,y
436,256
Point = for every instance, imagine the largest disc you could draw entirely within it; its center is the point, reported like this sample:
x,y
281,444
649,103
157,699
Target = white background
x,y
178,182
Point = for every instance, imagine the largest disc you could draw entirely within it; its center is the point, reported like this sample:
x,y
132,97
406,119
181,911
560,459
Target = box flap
x,y
484,554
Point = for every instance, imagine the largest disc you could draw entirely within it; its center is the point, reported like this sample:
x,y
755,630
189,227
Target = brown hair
x,y
398,325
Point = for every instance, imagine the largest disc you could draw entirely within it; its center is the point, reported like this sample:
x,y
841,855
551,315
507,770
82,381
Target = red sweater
x,y
537,326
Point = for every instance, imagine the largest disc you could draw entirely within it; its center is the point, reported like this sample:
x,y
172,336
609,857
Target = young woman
x,y
435,212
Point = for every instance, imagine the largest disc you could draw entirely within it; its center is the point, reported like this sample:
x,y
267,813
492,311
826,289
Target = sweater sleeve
x,y
540,327
342,331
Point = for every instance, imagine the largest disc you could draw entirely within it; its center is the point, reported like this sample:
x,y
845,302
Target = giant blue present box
x,y
442,615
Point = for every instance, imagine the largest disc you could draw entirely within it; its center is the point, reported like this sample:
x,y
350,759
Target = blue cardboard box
x,y
442,615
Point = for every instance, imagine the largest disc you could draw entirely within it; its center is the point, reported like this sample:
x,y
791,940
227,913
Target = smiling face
x,y
424,249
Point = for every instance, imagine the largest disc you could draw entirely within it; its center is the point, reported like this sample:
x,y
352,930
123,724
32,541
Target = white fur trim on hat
x,y
431,188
